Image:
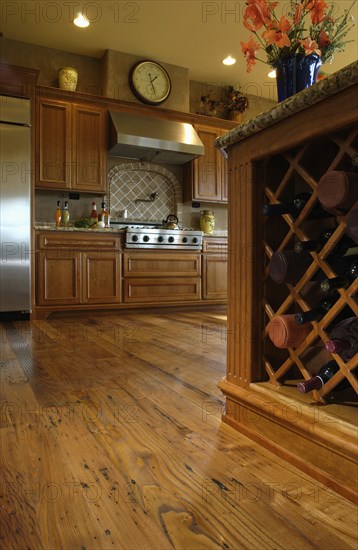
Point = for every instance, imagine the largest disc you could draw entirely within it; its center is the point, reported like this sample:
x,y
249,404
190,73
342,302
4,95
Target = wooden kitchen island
x,y
282,152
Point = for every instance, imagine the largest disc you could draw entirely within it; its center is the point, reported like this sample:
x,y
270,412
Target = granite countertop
x,y
41,227
320,90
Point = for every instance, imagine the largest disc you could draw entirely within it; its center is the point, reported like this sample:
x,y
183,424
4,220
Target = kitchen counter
x,y
105,230
329,86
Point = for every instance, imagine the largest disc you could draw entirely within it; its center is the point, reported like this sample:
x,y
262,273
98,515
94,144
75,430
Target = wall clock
x,y
149,82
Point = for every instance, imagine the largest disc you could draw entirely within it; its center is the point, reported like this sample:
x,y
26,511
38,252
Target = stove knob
x,y
145,238
160,239
195,240
171,239
185,239
134,238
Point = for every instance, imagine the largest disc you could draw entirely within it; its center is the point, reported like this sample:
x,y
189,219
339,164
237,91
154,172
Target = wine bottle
x,y
345,246
319,311
284,332
343,281
65,215
338,190
288,267
324,374
344,339
295,208
352,224
58,215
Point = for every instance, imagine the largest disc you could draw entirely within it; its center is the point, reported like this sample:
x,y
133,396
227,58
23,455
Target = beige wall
x,y
109,77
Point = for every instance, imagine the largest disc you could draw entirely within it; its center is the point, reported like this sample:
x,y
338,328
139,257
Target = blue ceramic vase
x,y
295,73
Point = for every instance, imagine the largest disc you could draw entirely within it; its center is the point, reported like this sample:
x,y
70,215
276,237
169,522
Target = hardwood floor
x,y
111,438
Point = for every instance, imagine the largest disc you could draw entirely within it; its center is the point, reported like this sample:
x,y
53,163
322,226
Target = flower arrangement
x,y
308,28
234,101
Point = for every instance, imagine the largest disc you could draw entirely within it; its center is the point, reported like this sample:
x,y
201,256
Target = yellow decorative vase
x,y
207,221
67,78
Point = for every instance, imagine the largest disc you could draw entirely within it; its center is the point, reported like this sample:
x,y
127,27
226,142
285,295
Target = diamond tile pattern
x,y
131,186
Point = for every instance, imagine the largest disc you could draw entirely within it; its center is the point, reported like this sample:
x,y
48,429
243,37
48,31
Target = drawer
x,y
218,245
161,264
77,242
162,290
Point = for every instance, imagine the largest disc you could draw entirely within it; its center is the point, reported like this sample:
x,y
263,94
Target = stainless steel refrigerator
x,y
15,204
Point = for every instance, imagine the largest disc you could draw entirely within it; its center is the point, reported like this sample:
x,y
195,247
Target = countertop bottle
x,y
94,213
65,215
58,215
103,216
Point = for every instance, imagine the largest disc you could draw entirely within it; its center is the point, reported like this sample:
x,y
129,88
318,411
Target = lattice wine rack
x,y
284,175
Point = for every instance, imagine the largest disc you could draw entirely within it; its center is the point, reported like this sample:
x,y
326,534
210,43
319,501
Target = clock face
x,y
150,82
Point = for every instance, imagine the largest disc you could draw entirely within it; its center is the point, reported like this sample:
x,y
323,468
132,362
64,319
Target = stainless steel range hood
x,y
152,139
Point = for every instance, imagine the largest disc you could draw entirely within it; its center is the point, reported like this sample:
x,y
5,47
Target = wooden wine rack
x,y
301,171
262,401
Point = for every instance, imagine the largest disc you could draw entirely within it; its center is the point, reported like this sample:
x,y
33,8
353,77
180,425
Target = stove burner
x,y
163,238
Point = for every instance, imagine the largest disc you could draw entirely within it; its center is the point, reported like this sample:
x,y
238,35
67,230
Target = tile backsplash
x,y
145,191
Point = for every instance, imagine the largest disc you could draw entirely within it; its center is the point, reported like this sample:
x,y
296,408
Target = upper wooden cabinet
x,y
70,146
205,178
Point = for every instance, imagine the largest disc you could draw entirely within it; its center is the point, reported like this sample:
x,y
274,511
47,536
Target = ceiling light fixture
x,y
81,21
272,74
229,60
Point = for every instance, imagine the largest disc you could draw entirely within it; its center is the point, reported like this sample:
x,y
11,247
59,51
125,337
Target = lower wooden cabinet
x,y
214,269
161,277
77,270
74,270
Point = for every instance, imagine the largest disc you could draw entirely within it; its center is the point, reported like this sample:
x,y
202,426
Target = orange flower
x,y
278,36
257,14
298,13
310,46
249,50
318,8
323,39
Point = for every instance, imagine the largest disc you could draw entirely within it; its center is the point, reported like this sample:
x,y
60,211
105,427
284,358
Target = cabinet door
x,y
207,169
89,149
101,277
58,277
53,144
215,277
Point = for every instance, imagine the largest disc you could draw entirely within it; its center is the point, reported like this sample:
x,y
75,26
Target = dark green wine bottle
x,y
324,374
319,311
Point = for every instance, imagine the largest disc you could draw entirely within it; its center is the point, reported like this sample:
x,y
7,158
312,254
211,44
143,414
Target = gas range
x,y
153,236
183,239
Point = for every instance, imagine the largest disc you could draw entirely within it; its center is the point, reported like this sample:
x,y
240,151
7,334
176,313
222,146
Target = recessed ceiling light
x,y
229,60
272,74
81,21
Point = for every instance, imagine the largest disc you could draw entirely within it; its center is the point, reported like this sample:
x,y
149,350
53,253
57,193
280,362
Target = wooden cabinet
x,y
70,146
72,269
215,268
316,432
205,178
161,277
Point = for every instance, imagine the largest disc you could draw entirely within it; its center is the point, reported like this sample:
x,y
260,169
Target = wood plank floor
x,y
111,438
